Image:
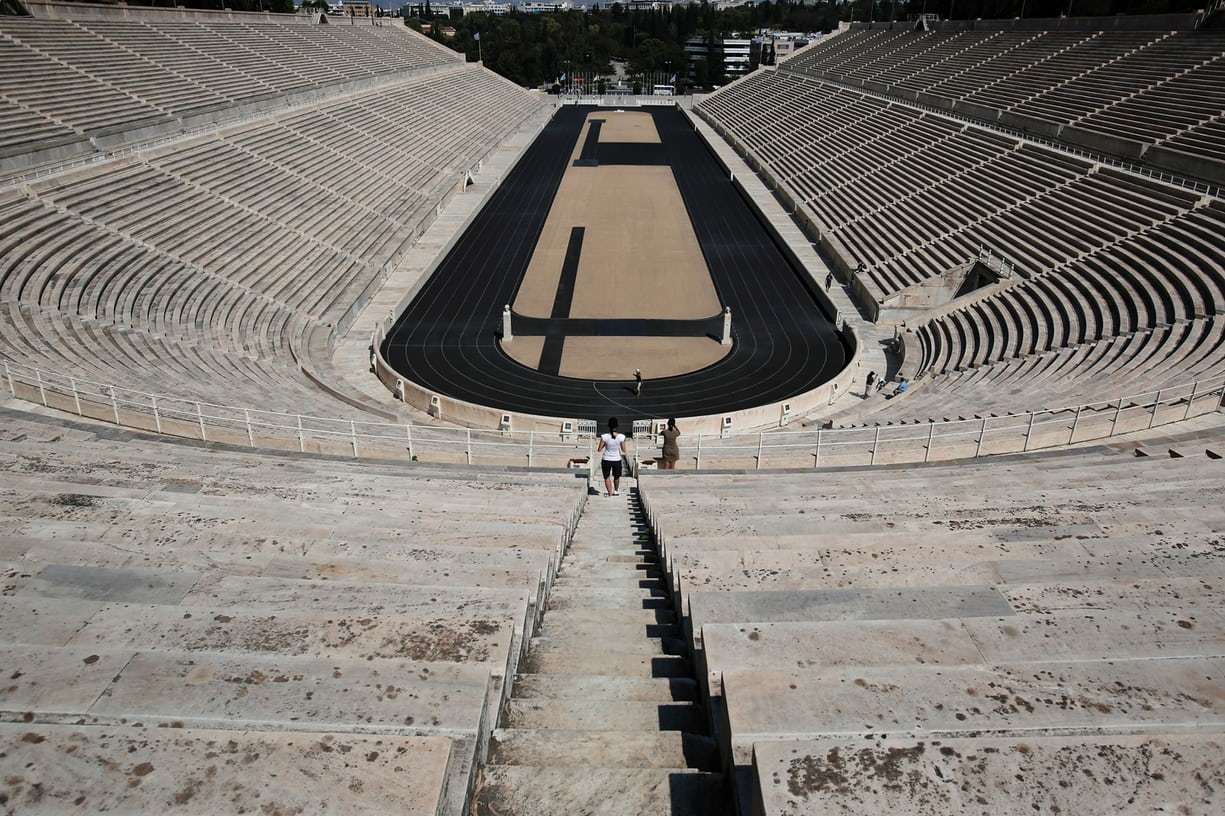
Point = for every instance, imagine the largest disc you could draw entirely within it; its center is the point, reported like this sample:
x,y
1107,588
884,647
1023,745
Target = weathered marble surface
x,y
54,770
1123,774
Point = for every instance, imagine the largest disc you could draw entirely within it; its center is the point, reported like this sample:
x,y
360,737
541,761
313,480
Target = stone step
x,y
614,664
641,556
608,715
133,769
207,690
1111,773
515,790
555,627
563,597
313,632
644,586
626,643
602,749
578,615
588,571
624,545
602,687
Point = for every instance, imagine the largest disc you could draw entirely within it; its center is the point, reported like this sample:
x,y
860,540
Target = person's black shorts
x,y
611,468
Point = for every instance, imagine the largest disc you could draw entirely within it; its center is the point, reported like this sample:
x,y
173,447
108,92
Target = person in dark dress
x,y
672,451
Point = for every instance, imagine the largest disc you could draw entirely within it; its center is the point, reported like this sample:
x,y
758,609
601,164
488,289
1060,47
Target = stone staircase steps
x,y
606,715
535,791
551,643
655,613
607,662
603,687
606,687
608,749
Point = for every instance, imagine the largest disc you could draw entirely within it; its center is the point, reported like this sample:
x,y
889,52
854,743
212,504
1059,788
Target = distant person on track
x,y
610,450
829,280
868,383
637,382
672,451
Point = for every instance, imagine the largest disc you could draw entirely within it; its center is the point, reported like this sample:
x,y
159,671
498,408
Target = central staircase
x,y
605,718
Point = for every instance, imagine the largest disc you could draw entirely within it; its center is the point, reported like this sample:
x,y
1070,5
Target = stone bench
x,y
122,768
1013,775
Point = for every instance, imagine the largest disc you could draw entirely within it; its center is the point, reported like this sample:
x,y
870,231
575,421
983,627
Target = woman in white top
x,y
610,458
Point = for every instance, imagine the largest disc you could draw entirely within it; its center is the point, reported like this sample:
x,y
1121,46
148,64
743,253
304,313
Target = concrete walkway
x,y
604,718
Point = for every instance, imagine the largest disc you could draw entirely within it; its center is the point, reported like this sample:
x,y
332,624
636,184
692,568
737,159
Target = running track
x,y
447,338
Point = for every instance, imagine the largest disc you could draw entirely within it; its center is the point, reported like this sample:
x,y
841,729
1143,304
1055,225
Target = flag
x,y
673,81
561,79
477,36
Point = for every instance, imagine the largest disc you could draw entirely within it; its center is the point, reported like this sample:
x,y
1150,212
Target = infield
x,y
617,240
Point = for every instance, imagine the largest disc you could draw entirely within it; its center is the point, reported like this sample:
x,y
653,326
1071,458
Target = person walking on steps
x,y
610,458
672,451
637,382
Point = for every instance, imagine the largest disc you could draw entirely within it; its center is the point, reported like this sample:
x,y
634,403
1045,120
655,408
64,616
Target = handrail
x,y
363,438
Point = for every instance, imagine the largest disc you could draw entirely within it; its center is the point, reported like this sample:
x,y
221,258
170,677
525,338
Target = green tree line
x,y
536,49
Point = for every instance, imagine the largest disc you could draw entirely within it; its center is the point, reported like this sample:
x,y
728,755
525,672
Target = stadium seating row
x,y
272,602
863,639
910,194
220,262
1116,279
103,81
1124,91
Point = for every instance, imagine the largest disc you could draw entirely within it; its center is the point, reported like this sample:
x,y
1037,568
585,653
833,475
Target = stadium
x,y
311,328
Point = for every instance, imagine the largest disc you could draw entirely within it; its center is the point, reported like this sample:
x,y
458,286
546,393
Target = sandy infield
x,y
640,256
627,126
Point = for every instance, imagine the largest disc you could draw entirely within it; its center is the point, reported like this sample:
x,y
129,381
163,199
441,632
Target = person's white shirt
x,y
612,446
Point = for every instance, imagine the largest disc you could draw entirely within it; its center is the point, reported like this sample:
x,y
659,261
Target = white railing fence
x,y
367,439
940,441
260,428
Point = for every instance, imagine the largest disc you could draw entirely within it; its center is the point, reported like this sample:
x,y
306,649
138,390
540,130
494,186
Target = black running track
x,y
447,340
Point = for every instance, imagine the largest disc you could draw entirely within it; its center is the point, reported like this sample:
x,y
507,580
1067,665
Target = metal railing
x,y
942,441
367,439
278,430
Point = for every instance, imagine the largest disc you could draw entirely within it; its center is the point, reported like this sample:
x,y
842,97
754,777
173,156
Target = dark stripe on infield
x,y
588,158
550,354
617,327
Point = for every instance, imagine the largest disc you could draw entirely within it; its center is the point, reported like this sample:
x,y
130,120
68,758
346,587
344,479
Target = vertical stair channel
x,y
605,717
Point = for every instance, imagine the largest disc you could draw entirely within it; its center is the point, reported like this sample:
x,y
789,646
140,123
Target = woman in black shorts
x,y
610,458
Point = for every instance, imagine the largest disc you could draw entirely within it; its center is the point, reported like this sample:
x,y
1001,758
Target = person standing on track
x,y
672,451
637,382
610,458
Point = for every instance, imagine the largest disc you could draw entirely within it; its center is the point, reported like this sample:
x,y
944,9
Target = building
x,y
772,47
544,7
484,7
357,8
732,53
